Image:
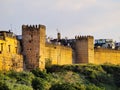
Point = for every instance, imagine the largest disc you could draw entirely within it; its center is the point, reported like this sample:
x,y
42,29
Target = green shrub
x,y
15,86
21,77
55,68
68,86
40,84
93,87
113,70
48,63
79,86
3,86
40,74
64,86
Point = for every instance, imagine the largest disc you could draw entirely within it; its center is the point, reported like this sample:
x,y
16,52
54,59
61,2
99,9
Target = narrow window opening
x,y
31,36
9,48
29,41
1,47
16,49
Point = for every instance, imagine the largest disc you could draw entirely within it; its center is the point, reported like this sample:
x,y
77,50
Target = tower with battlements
x,y
84,49
33,39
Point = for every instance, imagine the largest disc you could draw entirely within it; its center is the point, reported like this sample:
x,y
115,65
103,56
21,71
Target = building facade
x,y
10,52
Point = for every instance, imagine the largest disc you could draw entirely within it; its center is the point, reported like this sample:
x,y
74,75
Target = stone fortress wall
x,y
86,53
84,49
34,51
58,54
106,56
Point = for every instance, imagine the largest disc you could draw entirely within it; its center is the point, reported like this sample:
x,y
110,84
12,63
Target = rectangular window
x,y
31,36
16,50
9,48
1,47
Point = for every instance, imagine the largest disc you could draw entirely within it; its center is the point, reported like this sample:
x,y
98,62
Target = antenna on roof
x,y
58,34
10,27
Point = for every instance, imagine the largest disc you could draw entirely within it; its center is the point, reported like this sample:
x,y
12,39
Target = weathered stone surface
x,y
33,39
10,52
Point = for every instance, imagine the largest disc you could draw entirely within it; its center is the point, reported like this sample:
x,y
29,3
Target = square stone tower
x,y
84,49
33,39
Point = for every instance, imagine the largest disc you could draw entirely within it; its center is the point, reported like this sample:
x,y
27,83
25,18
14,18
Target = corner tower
x,y
84,49
33,38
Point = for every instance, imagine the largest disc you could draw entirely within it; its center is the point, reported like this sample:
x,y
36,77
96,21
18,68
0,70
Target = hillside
x,y
66,77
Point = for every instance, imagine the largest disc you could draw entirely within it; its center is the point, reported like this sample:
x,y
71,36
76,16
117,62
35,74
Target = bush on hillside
x,y
3,86
21,77
40,84
64,86
113,70
15,86
55,68
93,87
40,74
65,77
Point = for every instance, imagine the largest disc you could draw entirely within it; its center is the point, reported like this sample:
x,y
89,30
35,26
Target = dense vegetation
x,y
66,77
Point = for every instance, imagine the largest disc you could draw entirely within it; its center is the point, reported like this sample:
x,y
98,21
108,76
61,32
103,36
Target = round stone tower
x,y
84,49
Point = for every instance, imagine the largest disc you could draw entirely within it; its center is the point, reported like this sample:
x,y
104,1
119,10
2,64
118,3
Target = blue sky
x,y
100,18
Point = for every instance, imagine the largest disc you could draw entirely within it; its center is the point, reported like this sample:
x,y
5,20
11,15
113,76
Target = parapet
x,y
4,34
83,37
33,27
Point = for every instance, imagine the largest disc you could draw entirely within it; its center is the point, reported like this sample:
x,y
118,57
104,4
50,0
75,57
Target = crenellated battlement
x,y
84,49
83,37
32,27
33,37
33,52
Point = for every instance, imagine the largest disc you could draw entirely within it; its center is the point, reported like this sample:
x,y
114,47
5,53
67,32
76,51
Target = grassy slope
x,y
66,77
